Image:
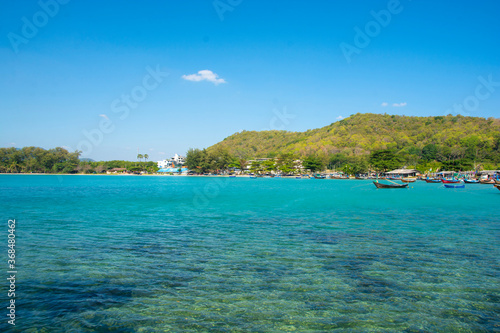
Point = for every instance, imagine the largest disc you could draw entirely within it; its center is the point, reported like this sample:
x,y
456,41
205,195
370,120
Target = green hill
x,y
442,138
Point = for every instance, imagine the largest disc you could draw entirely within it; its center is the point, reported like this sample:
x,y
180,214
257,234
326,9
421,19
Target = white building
x,y
175,161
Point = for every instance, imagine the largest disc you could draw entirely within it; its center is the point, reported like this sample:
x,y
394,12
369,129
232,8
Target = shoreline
x,y
129,175
114,175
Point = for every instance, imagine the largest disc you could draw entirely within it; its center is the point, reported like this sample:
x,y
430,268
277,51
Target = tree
x,y
286,163
202,161
140,157
359,166
195,160
348,169
69,167
100,168
384,160
256,167
146,156
312,163
443,153
458,165
242,164
219,159
135,169
269,165
337,161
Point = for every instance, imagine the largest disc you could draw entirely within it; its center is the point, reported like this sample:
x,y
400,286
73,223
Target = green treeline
x,y
38,160
59,160
445,142
202,161
219,159
353,145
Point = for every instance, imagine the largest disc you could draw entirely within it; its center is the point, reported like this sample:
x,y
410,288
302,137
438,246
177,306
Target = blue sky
x,y
112,77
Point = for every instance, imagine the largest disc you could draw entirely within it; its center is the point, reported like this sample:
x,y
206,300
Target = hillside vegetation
x,y
441,138
355,145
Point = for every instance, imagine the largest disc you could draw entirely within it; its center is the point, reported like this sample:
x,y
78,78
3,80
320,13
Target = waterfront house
x,y
403,173
175,161
116,170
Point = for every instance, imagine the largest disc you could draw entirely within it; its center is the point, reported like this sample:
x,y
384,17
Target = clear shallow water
x,y
177,254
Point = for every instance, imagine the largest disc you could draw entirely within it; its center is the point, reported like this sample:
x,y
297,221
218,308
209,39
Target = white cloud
x,y
384,104
340,118
104,116
204,75
161,153
398,105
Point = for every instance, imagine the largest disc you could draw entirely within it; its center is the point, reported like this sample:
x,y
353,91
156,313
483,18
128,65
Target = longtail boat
x,y
432,181
454,186
497,186
380,185
408,180
487,181
450,181
471,181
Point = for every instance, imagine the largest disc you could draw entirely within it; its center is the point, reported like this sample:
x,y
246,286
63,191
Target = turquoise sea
x,y
187,254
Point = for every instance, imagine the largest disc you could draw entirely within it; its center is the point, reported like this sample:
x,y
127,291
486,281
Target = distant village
x,y
176,165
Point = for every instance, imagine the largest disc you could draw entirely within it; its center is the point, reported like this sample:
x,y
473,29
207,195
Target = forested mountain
x,y
355,145
441,138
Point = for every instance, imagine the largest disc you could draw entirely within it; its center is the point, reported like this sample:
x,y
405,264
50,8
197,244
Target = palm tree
x,y
139,157
242,164
14,167
146,156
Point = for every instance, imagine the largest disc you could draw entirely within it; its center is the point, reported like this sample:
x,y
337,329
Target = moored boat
x,y
471,181
487,181
450,181
454,186
381,185
408,180
432,181
497,186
